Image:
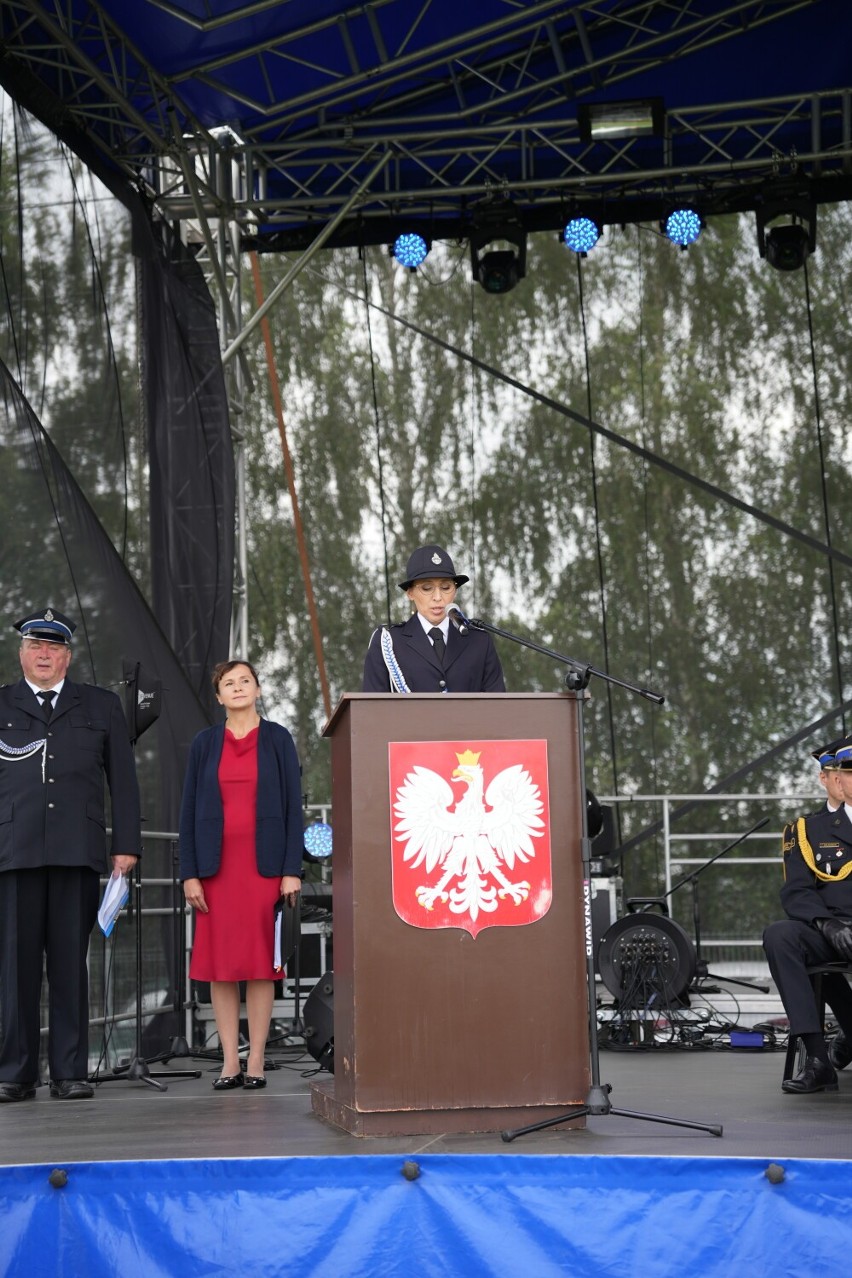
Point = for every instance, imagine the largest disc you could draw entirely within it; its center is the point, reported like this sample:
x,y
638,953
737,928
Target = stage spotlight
x,y
499,269
410,249
683,226
318,841
604,121
581,234
787,245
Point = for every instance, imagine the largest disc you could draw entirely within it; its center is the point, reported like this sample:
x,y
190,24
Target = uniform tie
x,y
46,699
437,643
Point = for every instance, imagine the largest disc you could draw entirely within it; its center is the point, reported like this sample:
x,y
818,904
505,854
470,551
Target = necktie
x,y
437,643
46,699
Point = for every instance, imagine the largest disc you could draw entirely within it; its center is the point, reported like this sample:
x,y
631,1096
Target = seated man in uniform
x,y
817,899
424,653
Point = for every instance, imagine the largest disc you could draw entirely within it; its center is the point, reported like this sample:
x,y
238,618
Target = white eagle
x,y
485,835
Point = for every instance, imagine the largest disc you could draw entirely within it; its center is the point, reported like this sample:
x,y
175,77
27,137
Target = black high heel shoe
x,y
227,1082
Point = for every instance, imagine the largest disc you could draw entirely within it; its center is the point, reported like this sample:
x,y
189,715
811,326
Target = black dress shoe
x,y
227,1082
815,1077
17,1091
840,1050
71,1089
253,1082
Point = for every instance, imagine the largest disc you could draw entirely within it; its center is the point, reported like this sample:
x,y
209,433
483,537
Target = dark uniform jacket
x,y
818,867
471,663
279,831
52,809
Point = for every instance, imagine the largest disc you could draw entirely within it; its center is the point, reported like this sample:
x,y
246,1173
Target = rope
x,y
643,429
832,588
598,545
474,422
291,484
379,462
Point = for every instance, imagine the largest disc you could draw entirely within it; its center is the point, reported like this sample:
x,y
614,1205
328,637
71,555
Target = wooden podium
x,y
435,1030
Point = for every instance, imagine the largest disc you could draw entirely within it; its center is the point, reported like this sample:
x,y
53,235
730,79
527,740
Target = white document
x,y
116,895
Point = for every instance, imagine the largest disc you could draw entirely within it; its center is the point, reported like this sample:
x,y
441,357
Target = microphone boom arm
x,y
583,670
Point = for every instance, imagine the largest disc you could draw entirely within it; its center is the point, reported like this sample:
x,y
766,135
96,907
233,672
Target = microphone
x,y
458,619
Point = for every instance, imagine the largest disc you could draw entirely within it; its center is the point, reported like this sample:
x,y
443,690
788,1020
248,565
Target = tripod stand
x,y
598,1098
701,972
137,1068
142,708
179,1047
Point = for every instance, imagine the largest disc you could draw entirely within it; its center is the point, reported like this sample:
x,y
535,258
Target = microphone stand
x,y
598,1097
137,1069
701,971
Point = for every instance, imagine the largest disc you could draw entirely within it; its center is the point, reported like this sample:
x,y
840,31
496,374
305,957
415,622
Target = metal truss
x,y
460,107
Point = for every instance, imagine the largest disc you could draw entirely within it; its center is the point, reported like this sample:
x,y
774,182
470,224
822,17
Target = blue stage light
x,y
410,249
581,234
683,226
318,840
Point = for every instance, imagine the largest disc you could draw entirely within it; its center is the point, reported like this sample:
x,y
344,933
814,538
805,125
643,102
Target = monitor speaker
x,y
318,1016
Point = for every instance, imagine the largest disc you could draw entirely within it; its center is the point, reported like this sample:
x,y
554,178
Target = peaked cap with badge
x,y
826,756
430,562
48,625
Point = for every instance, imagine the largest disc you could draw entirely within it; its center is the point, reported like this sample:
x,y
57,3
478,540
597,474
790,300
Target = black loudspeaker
x,y
604,857
319,1022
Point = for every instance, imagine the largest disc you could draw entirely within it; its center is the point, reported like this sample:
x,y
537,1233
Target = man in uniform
x,y
817,899
424,653
58,741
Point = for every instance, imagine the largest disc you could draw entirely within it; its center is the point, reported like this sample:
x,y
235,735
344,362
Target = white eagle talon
x,y
428,896
517,891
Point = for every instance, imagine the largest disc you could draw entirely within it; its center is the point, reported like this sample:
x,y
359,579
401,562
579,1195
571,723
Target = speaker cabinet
x,y
319,1022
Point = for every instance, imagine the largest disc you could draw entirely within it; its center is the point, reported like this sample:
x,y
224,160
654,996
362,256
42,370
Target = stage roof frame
x,y
296,113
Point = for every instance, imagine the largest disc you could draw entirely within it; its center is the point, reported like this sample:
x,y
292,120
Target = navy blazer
x,y
279,837
52,779
813,887
470,664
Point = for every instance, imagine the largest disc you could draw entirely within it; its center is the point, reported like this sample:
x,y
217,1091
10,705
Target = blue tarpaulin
x,y
438,1215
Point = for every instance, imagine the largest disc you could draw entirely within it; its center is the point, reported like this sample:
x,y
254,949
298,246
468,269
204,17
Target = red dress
x,y
233,942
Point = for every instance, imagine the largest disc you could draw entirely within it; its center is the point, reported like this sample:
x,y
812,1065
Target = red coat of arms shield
x,y
470,833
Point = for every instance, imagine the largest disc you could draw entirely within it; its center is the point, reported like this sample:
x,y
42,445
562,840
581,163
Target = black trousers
x,y
46,912
791,946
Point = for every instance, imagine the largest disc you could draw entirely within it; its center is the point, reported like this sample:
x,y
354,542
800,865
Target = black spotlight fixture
x,y
498,247
786,244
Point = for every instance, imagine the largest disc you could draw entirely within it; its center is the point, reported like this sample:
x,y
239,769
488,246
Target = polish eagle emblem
x,y
476,848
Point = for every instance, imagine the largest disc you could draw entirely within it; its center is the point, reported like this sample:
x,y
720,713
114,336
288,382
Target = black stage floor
x,y
739,1089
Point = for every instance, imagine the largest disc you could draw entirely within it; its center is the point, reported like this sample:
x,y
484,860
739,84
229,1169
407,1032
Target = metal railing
x,y
679,848
680,854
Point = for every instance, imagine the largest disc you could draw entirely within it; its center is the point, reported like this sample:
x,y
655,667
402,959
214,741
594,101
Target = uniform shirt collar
x,y
57,688
443,626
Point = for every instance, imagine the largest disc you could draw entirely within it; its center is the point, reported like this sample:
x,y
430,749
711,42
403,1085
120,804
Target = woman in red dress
x,y
241,846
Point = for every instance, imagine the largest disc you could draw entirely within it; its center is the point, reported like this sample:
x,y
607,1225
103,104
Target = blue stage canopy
x,y
393,112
